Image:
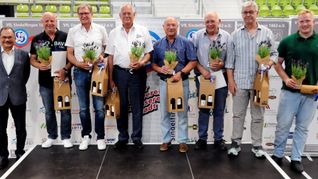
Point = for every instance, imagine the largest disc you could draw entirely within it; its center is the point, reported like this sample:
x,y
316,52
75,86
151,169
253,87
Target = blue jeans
x,y
165,115
218,114
131,88
50,117
82,79
303,108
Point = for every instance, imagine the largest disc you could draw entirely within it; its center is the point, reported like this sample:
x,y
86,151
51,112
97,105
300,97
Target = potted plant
x,y
299,71
215,52
263,53
44,55
170,60
90,54
137,50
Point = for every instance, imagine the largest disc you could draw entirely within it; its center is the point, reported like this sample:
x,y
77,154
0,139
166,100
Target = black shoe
x,y
121,144
200,145
220,145
19,154
278,160
4,163
296,166
138,144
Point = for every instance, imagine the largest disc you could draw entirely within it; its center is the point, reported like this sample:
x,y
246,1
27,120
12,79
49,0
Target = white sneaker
x,y
234,151
258,152
48,143
85,142
67,143
101,144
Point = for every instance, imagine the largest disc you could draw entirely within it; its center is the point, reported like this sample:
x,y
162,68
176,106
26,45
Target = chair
x,y
314,8
284,2
296,3
272,3
261,2
36,10
277,11
51,8
65,11
308,3
299,8
104,12
22,10
289,10
264,11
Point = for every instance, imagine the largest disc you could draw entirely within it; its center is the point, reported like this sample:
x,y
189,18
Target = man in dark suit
x,y
14,74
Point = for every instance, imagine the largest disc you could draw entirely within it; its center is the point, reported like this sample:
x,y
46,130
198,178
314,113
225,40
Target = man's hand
x,y
136,65
176,77
216,65
206,74
232,87
84,65
291,83
60,74
43,67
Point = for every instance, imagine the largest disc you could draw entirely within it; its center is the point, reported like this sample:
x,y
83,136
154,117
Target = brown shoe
x,y
165,146
183,147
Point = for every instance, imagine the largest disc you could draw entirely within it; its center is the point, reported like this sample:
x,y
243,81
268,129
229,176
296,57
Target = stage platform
x,y
149,162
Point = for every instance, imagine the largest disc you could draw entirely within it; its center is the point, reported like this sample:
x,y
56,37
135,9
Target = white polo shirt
x,y
78,35
120,43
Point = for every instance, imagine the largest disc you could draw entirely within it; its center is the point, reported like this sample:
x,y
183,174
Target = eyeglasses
x,y
248,12
83,13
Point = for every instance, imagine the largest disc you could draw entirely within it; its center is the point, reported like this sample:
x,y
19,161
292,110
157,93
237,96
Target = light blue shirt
x,y
242,51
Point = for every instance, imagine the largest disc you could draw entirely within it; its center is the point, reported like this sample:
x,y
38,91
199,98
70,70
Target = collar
x,y
175,38
90,28
11,51
217,36
132,27
46,35
258,27
298,37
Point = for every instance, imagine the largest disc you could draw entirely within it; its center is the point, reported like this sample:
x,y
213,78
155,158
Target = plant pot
x,y
299,82
170,66
45,62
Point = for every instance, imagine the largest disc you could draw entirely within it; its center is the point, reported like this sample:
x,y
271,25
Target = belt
x,y
131,71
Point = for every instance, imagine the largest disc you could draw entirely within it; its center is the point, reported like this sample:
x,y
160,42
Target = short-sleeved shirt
x,y
296,49
78,35
120,43
242,51
184,49
58,44
202,44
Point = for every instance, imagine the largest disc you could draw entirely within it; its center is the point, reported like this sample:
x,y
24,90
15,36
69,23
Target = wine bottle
x,y
210,100
99,90
59,101
173,103
179,103
112,111
203,100
94,87
67,101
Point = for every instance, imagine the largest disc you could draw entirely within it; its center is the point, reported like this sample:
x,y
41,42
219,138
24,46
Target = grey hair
x,y
249,3
128,5
81,6
7,28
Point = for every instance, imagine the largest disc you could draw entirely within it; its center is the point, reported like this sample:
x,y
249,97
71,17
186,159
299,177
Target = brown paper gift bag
x,y
99,82
175,99
206,93
261,89
112,104
61,94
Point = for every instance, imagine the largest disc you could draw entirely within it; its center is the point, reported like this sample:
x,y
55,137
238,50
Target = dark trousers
x,y
18,114
131,87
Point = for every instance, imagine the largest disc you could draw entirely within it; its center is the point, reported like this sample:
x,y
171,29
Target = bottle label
x,y
59,104
179,101
210,99
100,86
94,89
202,102
107,112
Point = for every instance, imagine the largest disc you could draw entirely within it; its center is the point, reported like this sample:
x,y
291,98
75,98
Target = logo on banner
x,y
21,37
155,37
190,33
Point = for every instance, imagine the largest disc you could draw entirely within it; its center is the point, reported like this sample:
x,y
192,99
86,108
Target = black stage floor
x,y
149,162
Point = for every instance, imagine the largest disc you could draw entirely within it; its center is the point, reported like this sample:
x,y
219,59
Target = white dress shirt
x,y
8,59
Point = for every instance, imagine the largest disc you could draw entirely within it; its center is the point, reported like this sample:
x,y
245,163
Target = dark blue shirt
x,y
184,50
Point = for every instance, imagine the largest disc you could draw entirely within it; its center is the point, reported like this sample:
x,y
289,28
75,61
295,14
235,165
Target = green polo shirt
x,y
295,48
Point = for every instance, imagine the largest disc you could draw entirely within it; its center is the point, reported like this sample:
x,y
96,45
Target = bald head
x,y
49,22
170,26
212,22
